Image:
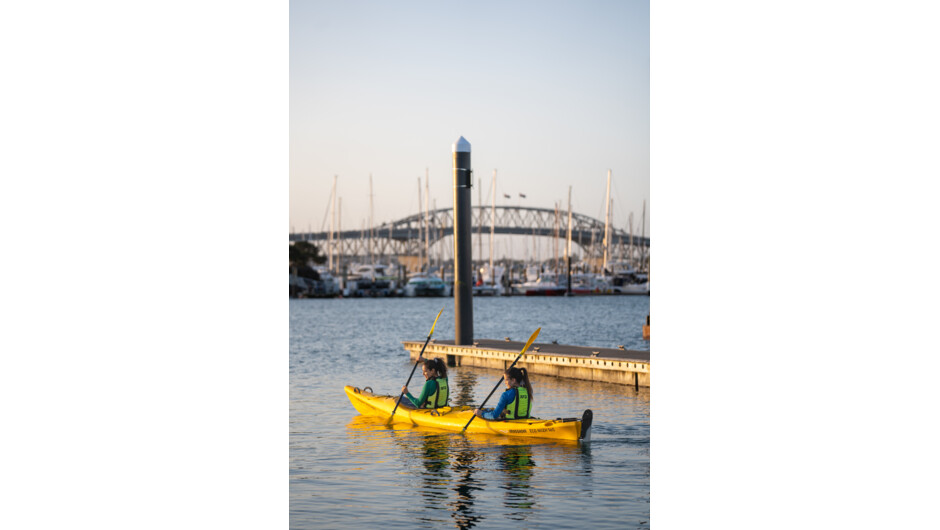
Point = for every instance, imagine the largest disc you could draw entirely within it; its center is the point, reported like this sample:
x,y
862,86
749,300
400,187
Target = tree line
x,y
302,254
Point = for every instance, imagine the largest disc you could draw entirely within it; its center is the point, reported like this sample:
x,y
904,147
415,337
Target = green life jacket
x,y
439,397
519,407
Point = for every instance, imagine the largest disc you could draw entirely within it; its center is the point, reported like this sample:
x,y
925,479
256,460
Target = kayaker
x,y
516,401
435,392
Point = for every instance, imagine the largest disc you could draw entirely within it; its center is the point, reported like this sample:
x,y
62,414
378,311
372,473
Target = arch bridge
x,y
406,236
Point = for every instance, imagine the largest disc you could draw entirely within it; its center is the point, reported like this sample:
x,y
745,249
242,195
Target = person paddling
x,y
434,394
516,402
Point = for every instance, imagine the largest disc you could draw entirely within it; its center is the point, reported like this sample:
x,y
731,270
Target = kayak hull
x,y
455,418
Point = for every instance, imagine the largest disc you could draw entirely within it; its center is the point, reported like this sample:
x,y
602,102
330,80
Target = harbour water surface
x,y
352,471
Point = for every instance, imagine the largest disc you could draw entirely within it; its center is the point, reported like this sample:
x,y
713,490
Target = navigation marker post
x,y
463,269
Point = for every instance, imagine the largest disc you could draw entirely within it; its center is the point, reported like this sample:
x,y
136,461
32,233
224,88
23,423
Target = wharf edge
x,y
609,365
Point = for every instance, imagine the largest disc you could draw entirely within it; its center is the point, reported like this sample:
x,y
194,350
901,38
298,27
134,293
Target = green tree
x,y
301,254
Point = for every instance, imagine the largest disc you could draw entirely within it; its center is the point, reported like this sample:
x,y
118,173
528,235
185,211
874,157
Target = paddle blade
x,y
435,322
531,340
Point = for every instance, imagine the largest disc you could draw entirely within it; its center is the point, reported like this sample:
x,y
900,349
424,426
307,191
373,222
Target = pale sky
x,y
549,94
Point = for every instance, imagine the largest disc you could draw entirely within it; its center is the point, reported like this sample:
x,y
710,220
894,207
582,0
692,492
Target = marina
x,y
565,252
390,281
602,274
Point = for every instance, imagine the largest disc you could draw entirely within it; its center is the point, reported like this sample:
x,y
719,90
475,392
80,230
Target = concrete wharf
x,y
610,365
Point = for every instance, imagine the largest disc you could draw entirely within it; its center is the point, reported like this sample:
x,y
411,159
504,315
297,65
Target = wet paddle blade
x,y
432,326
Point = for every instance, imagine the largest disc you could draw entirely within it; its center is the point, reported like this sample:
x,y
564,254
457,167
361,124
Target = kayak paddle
x,y
400,396
524,348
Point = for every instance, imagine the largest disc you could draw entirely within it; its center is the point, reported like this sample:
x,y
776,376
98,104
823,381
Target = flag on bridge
x,y
522,195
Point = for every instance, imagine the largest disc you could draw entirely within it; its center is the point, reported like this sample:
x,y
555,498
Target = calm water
x,y
348,470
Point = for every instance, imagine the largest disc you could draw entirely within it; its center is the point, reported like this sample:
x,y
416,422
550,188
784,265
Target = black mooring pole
x,y
463,270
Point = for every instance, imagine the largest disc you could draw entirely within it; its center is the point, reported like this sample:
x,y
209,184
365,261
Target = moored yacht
x,y
543,286
423,285
626,280
370,280
330,285
488,285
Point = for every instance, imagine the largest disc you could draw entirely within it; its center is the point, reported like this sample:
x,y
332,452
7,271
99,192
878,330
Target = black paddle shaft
x,y
494,390
413,368
524,348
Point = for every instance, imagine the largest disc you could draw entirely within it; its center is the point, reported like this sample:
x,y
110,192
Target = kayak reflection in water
x,y
516,402
434,394
516,461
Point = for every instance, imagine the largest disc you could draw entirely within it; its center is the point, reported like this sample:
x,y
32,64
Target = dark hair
x,y
520,374
436,364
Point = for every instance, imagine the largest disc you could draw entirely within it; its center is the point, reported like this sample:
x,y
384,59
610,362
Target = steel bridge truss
x,y
406,237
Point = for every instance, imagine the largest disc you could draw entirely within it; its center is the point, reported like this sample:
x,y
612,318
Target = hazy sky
x,y
549,94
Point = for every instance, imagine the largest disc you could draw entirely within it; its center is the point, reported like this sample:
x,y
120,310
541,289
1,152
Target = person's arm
x,y
407,395
504,400
429,387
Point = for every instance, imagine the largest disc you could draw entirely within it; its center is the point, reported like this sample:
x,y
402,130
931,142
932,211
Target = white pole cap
x,y
462,145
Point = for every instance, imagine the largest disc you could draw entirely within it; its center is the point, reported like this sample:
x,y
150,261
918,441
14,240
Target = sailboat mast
x,y
420,227
555,226
619,242
492,229
607,223
427,219
630,257
643,248
568,246
480,221
332,223
339,231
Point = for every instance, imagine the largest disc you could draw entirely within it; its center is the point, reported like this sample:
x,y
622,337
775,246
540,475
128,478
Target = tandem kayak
x,y
455,418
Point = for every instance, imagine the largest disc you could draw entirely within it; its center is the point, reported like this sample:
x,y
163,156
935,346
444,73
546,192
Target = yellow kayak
x,y
455,418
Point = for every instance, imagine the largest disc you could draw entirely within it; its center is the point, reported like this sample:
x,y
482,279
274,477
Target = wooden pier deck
x,y
610,365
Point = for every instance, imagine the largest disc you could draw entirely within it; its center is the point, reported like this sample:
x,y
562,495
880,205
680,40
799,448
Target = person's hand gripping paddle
x,y
400,396
526,347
